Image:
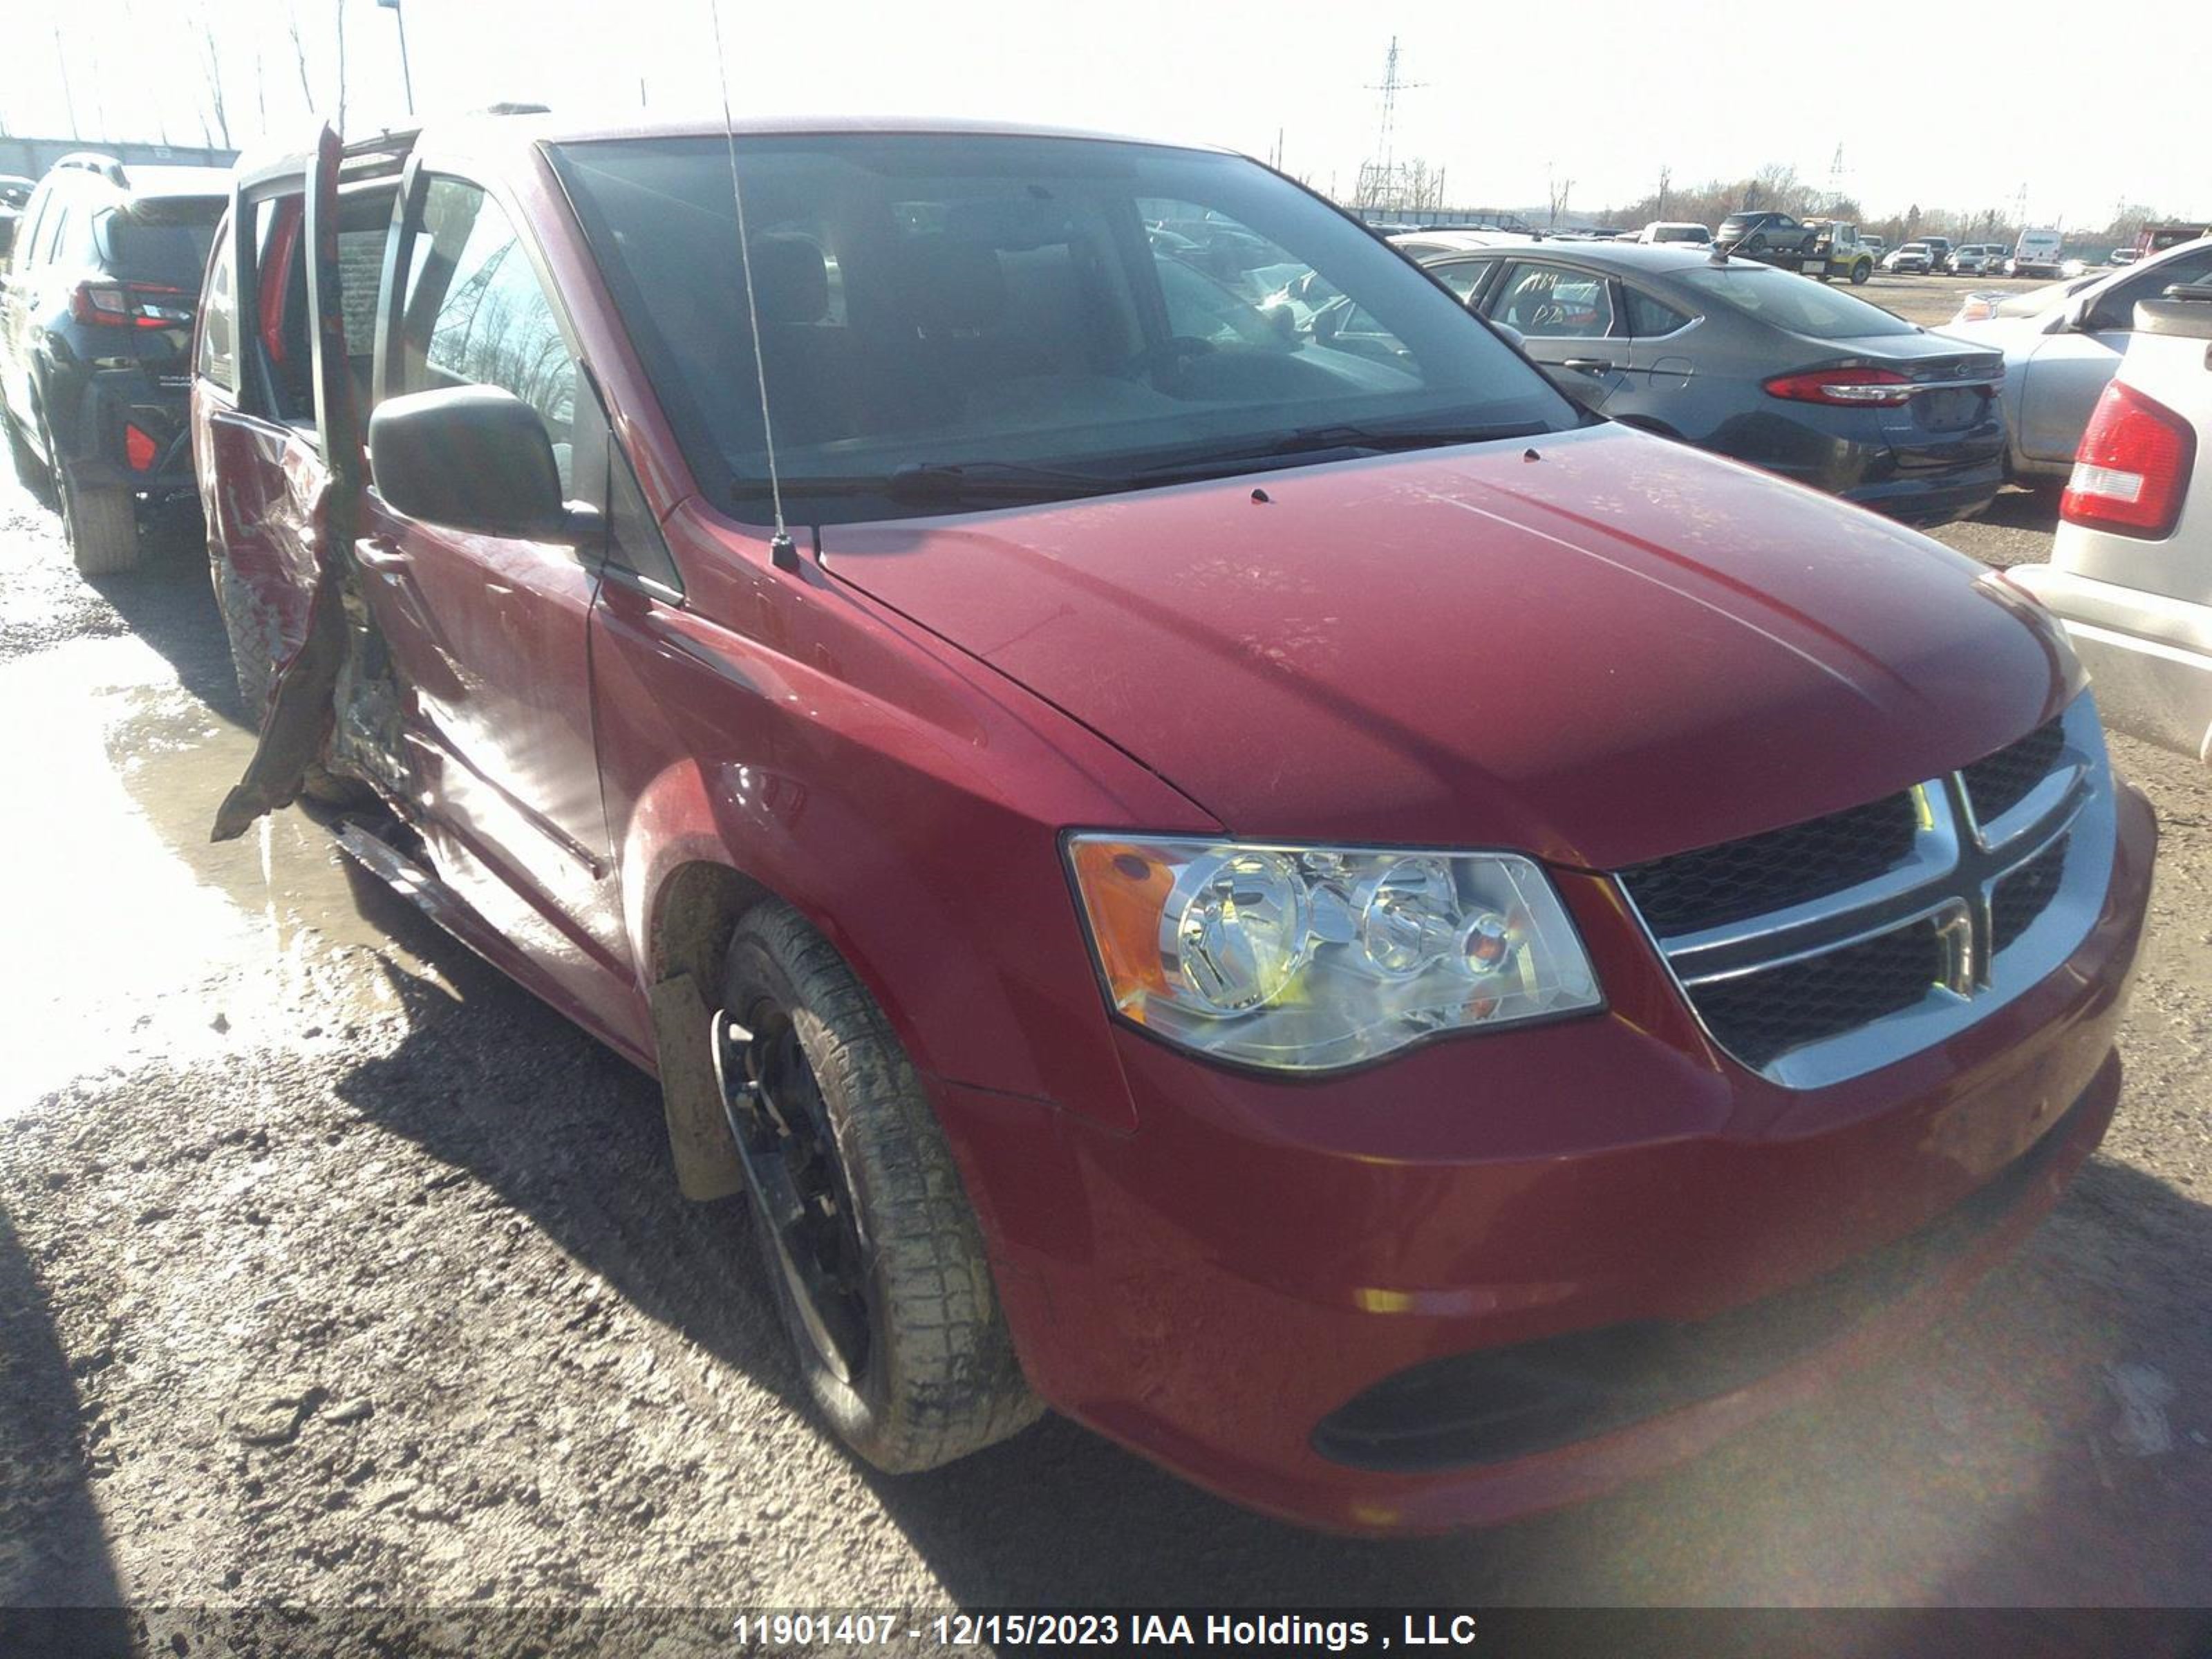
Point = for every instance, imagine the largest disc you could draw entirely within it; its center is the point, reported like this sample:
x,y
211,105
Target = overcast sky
x,y
1957,106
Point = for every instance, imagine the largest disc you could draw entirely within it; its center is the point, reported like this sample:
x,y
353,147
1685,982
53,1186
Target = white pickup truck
x,y
2130,572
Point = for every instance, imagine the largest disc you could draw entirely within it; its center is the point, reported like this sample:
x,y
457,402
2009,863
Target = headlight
x,y
1306,958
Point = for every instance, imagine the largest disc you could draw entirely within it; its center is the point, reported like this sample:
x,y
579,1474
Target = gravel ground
x,y
337,1272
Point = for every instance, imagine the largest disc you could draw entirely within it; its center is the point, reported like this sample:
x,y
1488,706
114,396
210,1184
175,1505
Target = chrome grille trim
x,y
1950,875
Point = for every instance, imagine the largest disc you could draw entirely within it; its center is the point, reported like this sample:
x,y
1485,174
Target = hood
x,y
1622,649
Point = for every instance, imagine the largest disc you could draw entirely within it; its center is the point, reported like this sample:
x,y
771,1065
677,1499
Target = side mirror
x,y
1513,337
474,458
1327,321
2079,310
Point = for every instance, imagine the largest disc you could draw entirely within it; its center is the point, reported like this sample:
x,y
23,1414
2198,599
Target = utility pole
x,y
68,99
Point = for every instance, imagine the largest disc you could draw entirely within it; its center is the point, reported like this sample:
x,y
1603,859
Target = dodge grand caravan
x,y
1403,951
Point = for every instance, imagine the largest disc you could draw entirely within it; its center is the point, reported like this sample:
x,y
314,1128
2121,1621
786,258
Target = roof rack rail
x,y
91,161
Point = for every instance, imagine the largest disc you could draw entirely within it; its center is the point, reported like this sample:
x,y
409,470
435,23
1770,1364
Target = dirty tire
x,y
102,527
940,1379
1861,271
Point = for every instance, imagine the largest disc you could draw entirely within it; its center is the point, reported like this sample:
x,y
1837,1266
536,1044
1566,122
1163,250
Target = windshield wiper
x,y
1009,481
1308,439
948,482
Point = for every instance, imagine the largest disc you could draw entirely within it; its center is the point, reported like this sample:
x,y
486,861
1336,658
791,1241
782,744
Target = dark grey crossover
x,y
1755,363
96,313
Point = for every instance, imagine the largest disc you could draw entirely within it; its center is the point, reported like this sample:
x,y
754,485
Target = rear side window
x,y
218,358
1649,318
1787,300
476,313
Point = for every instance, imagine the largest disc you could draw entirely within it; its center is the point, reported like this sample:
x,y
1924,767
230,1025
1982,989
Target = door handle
x,y
1588,365
374,553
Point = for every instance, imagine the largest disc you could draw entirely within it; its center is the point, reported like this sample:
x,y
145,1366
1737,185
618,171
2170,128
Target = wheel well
x,y
697,912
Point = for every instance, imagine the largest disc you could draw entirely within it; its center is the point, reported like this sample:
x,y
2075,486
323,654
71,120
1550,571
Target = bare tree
x,y
299,56
211,63
1666,177
1558,191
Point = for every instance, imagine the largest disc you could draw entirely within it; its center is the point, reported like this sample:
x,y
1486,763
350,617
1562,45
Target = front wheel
x,y
1861,271
879,1268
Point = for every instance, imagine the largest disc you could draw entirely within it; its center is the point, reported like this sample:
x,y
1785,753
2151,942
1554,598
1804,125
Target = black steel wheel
x,y
877,1258
785,1124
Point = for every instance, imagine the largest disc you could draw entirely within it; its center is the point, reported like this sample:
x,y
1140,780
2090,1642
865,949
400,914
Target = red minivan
x,y
1400,950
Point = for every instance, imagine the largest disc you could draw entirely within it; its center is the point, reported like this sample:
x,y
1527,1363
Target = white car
x,y
2130,570
1676,230
2061,344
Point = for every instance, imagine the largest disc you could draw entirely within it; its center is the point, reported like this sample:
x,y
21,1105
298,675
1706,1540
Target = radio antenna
x,y
781,549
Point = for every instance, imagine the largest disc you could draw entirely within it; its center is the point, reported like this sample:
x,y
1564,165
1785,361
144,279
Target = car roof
x,y
149,184
1419,243
1652,258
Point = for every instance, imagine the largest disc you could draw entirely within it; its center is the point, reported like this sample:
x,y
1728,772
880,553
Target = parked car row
x,y
2061,344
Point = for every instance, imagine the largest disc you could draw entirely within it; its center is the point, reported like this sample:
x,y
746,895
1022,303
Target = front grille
x,y
1790,945
2025,894
1771,871
1759,1016
1999,782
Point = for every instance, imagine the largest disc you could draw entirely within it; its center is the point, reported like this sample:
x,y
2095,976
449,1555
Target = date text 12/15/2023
x,y
1162,1629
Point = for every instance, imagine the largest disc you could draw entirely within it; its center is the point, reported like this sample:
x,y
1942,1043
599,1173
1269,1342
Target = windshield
x,y
1076,309
1787,300
172,251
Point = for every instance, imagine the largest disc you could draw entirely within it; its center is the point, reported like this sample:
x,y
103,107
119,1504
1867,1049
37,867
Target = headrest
x,y
955,285
790,279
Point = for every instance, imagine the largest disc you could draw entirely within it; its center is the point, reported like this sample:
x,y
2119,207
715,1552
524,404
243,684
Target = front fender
x,y
906,802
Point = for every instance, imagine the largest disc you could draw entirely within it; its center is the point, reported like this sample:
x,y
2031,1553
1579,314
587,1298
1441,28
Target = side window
x,y
28,231
1463,276
476,314
218,358
53,229
1553,302
1649,318
2116,309
634,541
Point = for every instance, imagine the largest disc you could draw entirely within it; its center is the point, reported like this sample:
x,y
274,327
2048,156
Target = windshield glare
x,y
938,299
1787,300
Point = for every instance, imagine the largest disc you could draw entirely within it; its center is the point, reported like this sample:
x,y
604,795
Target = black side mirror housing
x,y
473,458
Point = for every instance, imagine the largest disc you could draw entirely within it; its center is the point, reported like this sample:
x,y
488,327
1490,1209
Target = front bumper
x,y
1214,1288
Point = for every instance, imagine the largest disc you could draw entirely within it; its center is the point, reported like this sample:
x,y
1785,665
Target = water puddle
x,y
132,937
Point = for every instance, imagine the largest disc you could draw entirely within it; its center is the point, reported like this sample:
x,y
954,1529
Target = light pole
x,y
406,76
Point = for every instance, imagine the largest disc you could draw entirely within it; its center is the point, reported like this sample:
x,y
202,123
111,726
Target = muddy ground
x,y
334,1271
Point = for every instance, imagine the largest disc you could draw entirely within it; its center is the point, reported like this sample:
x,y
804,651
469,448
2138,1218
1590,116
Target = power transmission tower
x,y
1836,179
1379,183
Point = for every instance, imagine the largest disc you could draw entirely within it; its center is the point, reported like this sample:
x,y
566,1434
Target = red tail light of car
x,y
2132,470
1851,388
130,305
